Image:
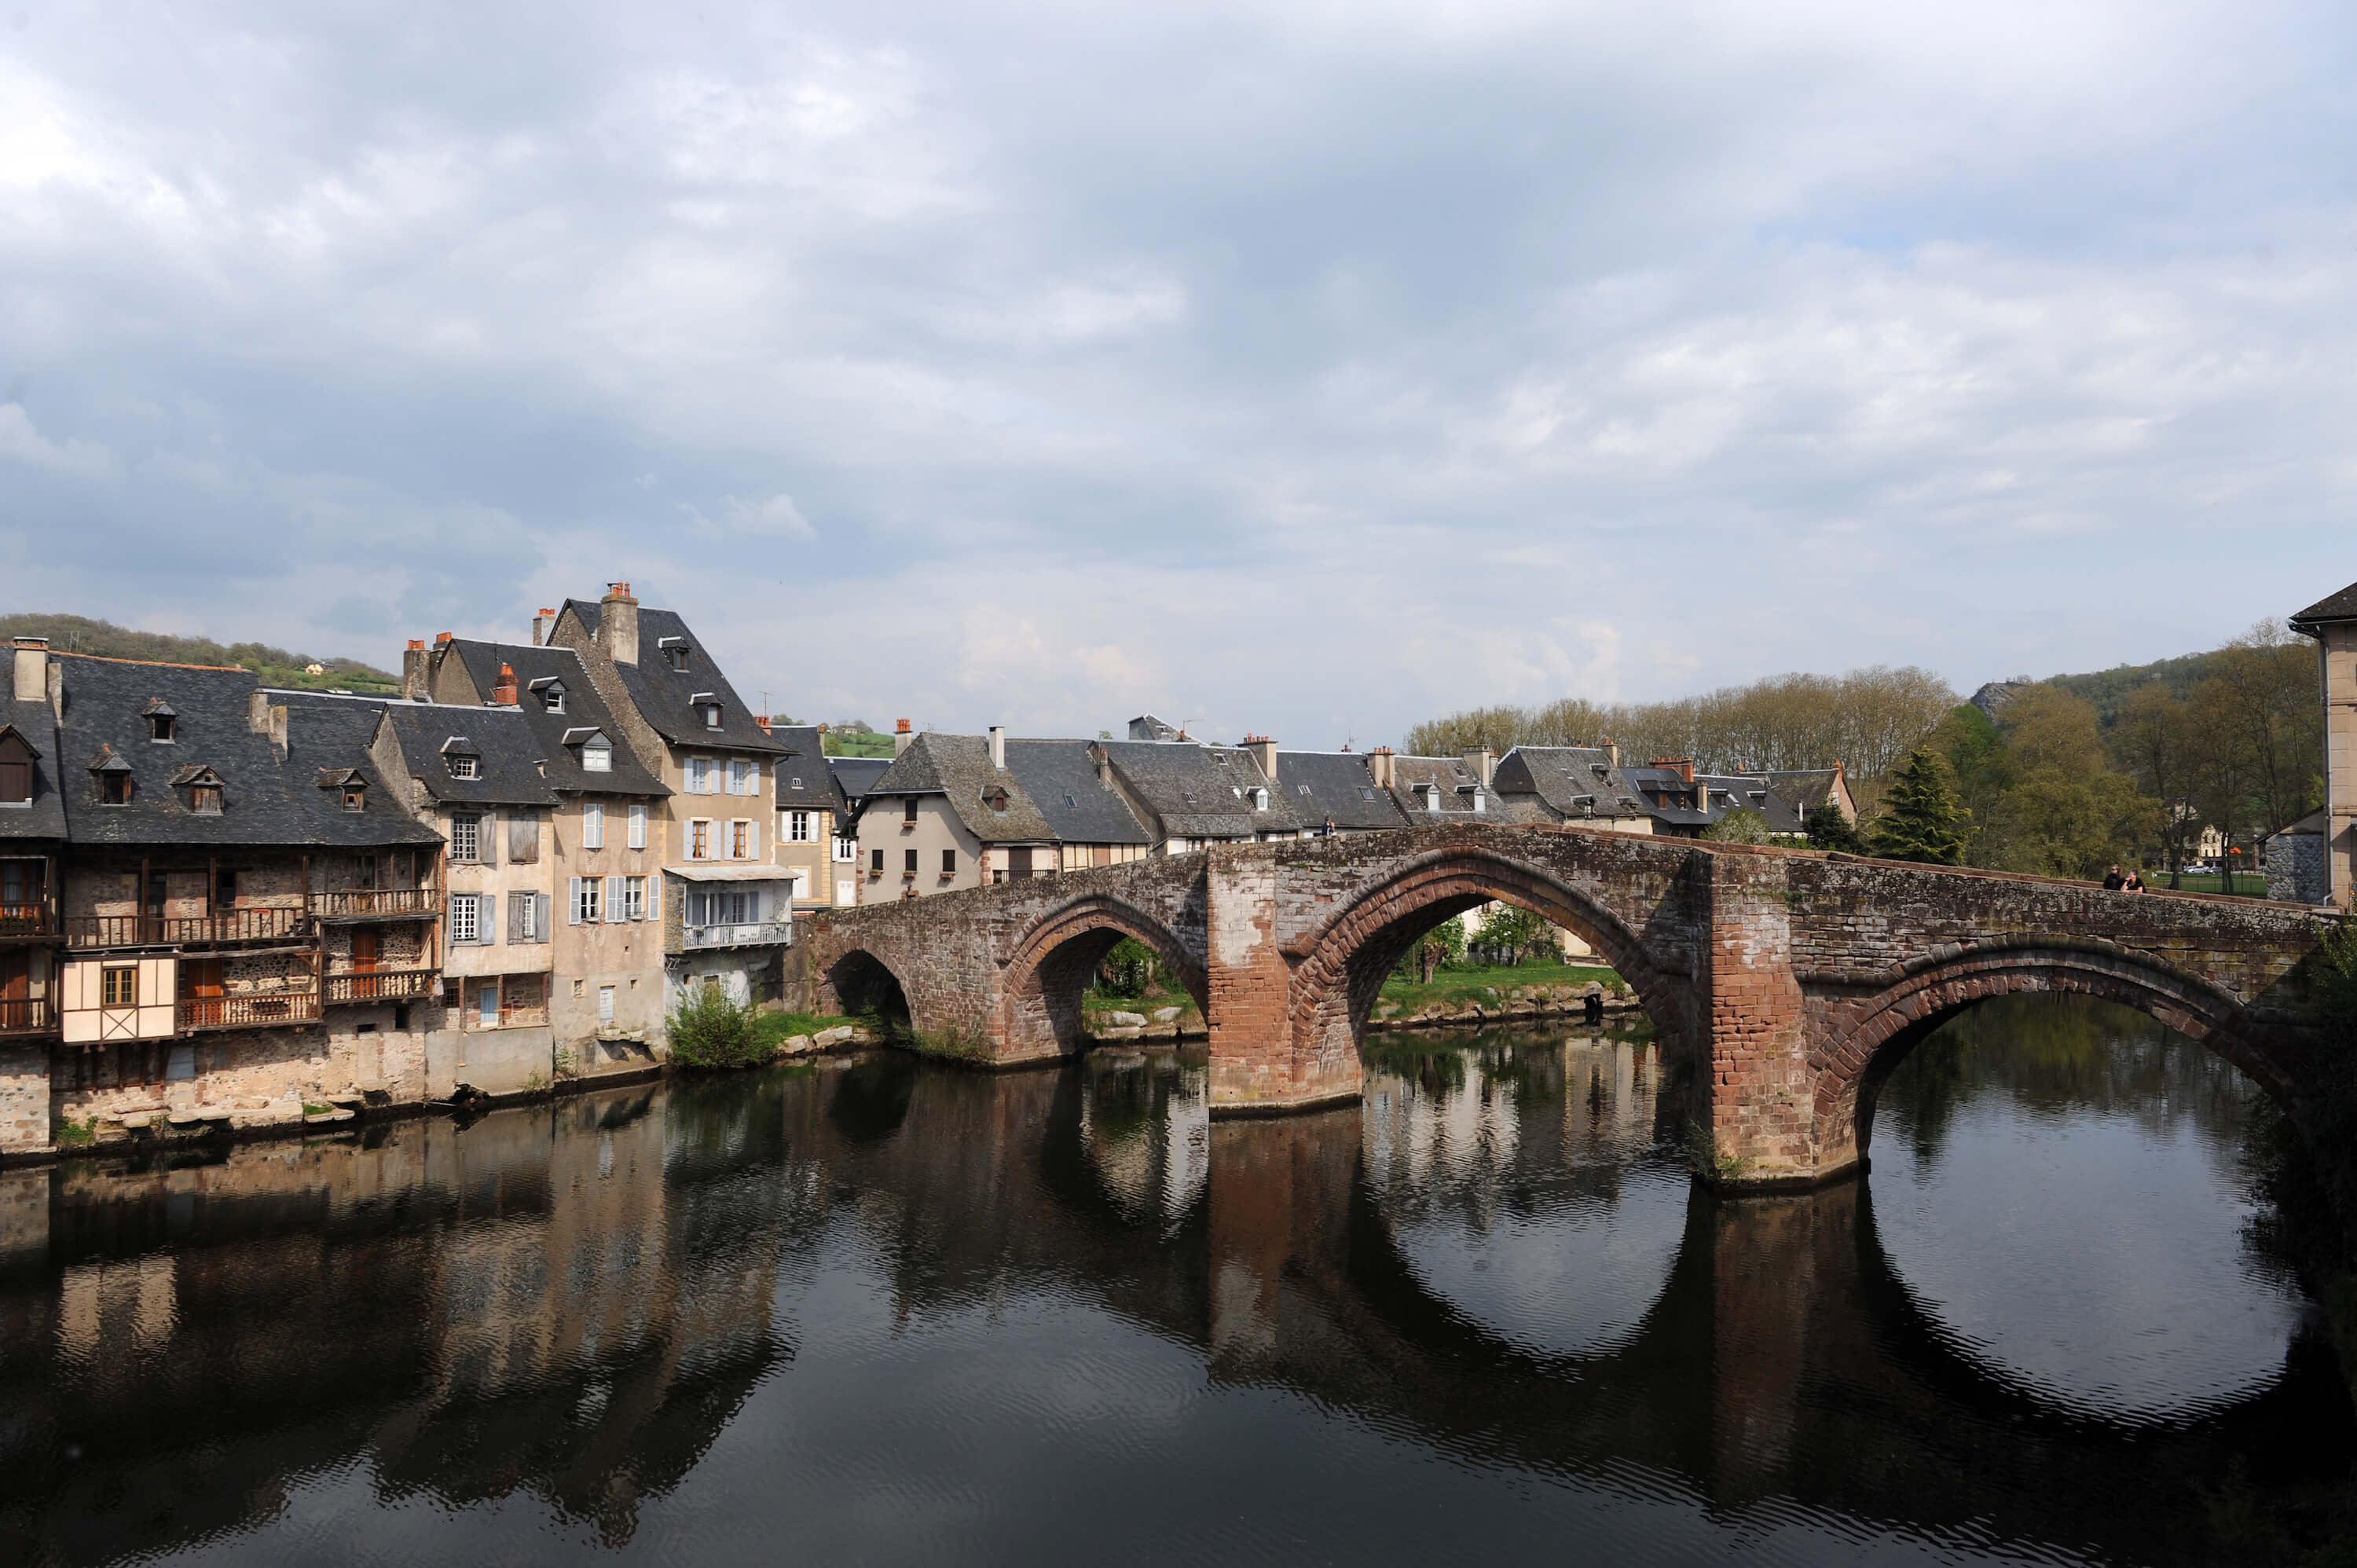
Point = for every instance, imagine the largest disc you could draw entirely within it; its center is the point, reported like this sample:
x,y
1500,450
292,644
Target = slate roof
x,y
805,783
1809,788
45,816
507,753
957,768
1191,789
666,696
2342,606
584,708
1730,792
1664,793
265,800
1571,783
1454,778
1060,777
1336,784
855,776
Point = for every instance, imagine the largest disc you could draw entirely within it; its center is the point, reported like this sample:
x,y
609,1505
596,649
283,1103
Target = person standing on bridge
x,y
2114,882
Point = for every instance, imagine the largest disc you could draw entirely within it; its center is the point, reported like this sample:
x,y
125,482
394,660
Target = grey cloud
x,y
1317,367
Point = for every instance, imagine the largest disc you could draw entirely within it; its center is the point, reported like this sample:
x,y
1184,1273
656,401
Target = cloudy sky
x,y
1304,368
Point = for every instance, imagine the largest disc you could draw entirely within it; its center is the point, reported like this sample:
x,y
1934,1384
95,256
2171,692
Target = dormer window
x,y
465,765
711,715
17,758
675,653
205,799
113,778
596,756
1481,801
1260,800
1431,793
161,727
996,799
552,700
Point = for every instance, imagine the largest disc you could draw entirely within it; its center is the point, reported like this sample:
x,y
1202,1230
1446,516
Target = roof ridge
x,y
150,663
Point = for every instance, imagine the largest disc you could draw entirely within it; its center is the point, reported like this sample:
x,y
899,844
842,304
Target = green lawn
x,y
1095,1004
773,1029
2249,884
1457,987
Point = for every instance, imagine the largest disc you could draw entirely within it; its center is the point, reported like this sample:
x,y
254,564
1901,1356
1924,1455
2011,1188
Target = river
x,y
879,1310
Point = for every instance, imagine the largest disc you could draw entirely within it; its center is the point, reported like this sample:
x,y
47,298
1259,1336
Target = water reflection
x,y
878,1309
2136,1298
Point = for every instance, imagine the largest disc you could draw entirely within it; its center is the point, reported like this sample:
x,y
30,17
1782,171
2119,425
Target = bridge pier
x,y
1259,1065
1758,1087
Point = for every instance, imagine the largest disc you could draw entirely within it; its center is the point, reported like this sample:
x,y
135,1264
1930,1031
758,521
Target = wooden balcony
x,y
384,985
27,1016
261,924
257,1011
28,921
366,903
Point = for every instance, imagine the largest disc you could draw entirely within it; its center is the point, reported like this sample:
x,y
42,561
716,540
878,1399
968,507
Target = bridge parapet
x,y
1782,984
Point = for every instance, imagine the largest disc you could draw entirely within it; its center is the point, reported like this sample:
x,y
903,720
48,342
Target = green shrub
x,y
710,1031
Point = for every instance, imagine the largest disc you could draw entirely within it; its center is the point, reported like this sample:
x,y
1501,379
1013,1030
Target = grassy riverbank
x,y
1457,988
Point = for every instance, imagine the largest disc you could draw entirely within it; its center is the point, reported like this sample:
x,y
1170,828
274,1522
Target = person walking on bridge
x,y
2114,882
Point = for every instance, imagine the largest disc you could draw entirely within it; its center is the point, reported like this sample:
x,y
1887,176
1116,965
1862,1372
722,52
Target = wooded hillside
x,y
276,666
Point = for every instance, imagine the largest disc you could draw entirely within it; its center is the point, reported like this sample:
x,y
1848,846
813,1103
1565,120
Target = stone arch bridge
x,y
1783,985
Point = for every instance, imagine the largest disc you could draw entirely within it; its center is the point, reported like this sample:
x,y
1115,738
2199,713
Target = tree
x,y
2268,681
1743,825
1828,828
2156,738
1508,928
2060,809
1923,819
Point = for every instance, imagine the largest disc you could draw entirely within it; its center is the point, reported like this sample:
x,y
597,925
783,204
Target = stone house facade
x,y
244,922
2332,621
676,712
949,813
580,840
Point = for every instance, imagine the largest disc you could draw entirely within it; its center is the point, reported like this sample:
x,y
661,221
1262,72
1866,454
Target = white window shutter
x,y
573,904
614,912
486,920
753,839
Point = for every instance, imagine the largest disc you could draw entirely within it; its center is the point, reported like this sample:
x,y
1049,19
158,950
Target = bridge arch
x,y
1872,1038
860,983
1051,965
1345,961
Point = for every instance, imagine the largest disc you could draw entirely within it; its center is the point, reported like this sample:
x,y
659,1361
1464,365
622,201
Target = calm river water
x,y
880,1310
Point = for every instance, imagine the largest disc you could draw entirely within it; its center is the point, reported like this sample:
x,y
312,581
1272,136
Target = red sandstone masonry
x,y
1787,979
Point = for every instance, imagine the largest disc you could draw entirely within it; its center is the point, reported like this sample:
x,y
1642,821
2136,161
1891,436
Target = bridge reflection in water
x,y
893,1310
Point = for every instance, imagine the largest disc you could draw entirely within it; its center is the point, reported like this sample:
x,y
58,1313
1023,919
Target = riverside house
x,y
248,920
586,853
728,908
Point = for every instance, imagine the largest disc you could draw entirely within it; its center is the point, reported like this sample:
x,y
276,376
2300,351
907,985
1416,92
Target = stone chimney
x,y
902,737
503,690
618,624
1263,751
1483,762
416,666
267,718
1379,763
32,669
541,625
999,746
1103,759
1612,751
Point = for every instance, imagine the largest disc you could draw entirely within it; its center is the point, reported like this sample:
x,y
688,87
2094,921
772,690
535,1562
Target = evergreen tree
x,y
1828,828
1922,818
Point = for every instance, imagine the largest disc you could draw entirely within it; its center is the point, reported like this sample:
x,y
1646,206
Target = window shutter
x,y
638,825
573,904
654,897
614,900
487,918
593,825
753,839
541,922
519,916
